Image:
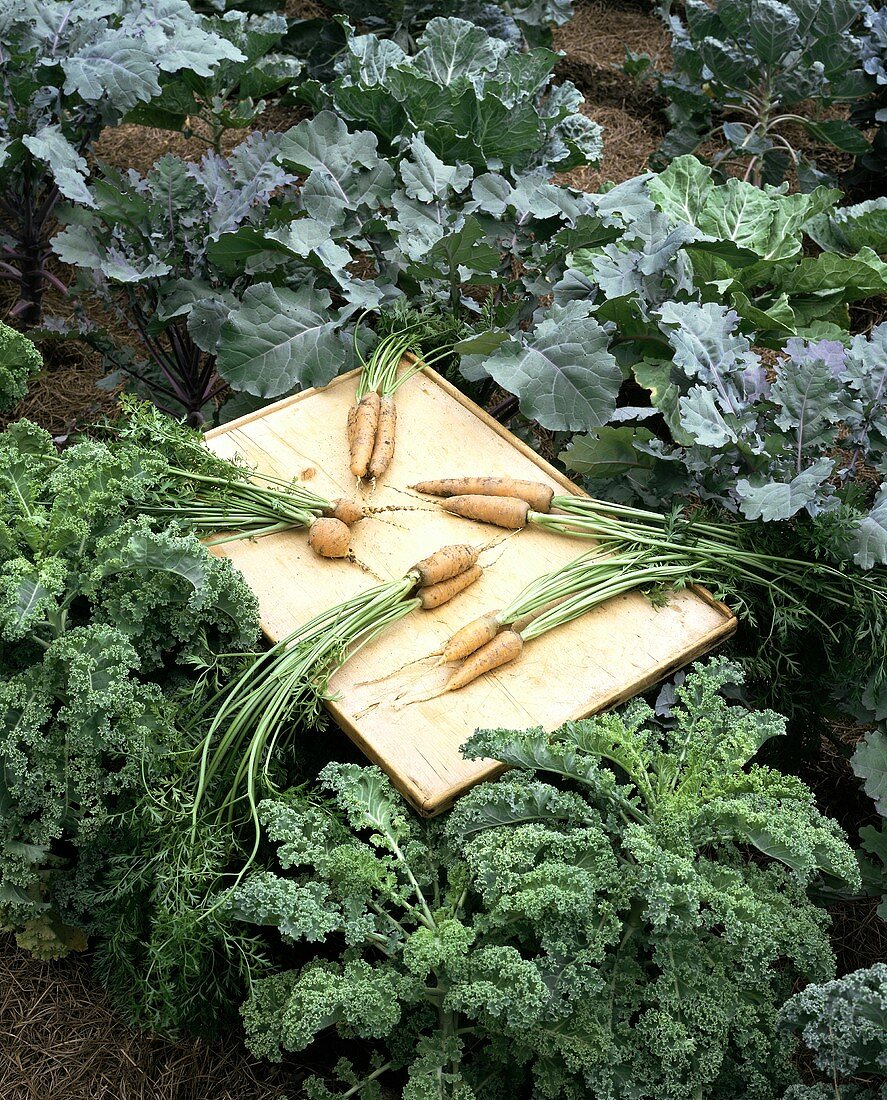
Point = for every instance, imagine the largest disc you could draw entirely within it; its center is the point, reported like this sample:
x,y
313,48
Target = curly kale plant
x,y
743,68
593,924
229,97
19,360
844,1022
476,99
100,614
67,71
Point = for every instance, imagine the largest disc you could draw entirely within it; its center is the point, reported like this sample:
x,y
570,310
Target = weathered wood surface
x,y
604,657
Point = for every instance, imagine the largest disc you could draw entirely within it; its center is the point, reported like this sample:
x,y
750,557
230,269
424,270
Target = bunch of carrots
x,y
552,600
372,419
635,548
224,499
252,714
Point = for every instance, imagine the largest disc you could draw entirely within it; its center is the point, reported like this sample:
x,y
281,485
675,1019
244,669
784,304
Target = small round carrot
x,y
366,419
347,511
501,511
505,647
447,562
471,637
383,448
329,538
436,595
535,493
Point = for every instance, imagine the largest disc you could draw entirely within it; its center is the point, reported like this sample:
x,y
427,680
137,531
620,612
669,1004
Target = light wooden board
x,y
603,658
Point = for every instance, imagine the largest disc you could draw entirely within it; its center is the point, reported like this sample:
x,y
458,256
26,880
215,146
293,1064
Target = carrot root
x,y
505,647
383,447
329,538
348,511
501,511
447,562
536,494
436,595
363,434
471,637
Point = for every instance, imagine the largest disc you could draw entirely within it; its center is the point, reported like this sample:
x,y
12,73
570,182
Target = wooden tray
x,y
601,659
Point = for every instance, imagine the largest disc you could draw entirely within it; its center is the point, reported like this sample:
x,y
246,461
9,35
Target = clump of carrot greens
x,y
250,721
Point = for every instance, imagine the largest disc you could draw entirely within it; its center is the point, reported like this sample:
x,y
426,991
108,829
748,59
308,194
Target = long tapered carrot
x,y
505,647
501,511
447,562
383,448
363,439
535,493
471,637
436,595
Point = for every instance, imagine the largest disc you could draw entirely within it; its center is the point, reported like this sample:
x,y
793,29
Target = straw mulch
x,y
59,1040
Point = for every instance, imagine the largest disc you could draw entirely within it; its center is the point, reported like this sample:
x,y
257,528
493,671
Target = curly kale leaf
x,y
844,1022
75,730
594,920
19,361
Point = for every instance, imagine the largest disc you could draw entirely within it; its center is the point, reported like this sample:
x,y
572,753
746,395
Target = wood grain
x,y
607,656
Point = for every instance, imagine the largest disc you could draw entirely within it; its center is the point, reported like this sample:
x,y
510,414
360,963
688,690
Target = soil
x,y
59,1038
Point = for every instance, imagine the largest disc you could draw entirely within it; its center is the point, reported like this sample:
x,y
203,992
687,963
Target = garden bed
x,y
638,438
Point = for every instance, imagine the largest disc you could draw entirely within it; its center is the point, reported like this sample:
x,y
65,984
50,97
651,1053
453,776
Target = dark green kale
x,y
621,916
102,616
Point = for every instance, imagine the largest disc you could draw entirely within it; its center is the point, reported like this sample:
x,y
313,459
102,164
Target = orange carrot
x,y
447,562
366,419
435,595
352,416
347,511
329,538
383,448
535,493
501,511
505,647
471,637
